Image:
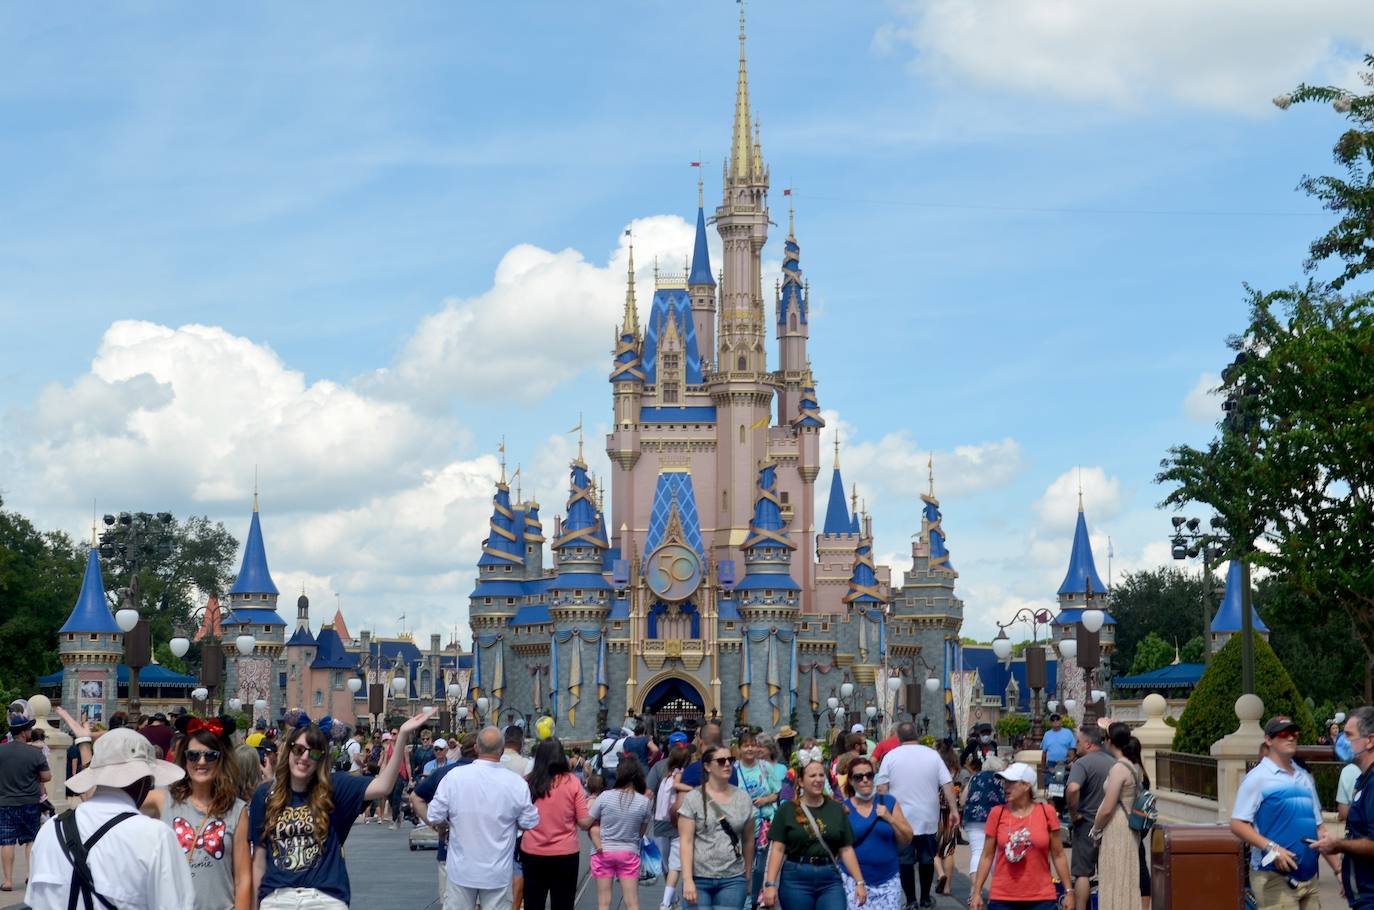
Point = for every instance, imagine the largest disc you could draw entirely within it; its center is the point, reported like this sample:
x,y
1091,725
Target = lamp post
x,y
1089,651
1037,678
1240,419
134,539
483,704
1188,542
913,691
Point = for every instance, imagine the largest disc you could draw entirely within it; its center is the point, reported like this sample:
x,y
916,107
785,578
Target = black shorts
x,y
921,851
19,824
1083,863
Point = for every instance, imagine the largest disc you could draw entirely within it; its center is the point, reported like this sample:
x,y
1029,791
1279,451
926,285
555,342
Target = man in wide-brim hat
x,y
133,860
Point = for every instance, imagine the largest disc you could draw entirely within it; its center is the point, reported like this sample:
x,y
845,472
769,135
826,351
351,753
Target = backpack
x,y
76,852
1144,814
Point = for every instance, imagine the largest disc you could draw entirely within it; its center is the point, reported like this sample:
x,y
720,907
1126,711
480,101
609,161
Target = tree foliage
x,y
1195,651
1294,471
1351,239
1011,727
1319,647
1210,713
40,575
1151,654
1165,602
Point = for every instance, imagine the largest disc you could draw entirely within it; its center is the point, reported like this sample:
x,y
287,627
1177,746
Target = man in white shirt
x,y
484,807
915,775
355,752
512,759
136,862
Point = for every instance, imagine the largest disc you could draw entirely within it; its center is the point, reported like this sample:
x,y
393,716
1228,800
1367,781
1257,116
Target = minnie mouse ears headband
x,y
327,725
222,726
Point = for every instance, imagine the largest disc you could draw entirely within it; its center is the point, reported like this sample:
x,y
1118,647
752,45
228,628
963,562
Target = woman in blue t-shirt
x,y
300,819
880,830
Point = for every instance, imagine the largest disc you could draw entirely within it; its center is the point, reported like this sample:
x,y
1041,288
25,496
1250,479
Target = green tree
x,y
1293,467
1351,239
1210,713
1195,651
1166,601
1320,647
40,575
1152,653
1011,727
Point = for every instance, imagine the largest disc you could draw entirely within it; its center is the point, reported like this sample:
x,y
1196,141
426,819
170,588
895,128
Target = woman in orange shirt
x,y
1023,835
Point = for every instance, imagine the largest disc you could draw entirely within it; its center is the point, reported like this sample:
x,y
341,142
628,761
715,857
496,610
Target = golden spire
x,y
701,198
516,477
854,500
791,217
741,152
631,321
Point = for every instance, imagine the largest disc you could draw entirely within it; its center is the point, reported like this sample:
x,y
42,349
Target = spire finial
x,y
502,450
516,477
930,469
741,151
1080,489
837,449
255,488
701,197
791,215
631,321
93,524
854,500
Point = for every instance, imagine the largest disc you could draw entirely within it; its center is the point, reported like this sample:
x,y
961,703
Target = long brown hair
x,y
224,789
319,794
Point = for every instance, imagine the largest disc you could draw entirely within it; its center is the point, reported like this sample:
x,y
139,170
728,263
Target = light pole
x,y
1037,677
1089,650
1240,419
134,539
1188,542
913,691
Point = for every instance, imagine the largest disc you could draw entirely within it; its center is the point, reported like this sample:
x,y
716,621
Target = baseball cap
x,y
677,738
1018,771
1278,724
386,737
857,728
441,743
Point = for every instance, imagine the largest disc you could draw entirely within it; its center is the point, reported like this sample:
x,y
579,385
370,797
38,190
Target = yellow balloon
x,y
544,727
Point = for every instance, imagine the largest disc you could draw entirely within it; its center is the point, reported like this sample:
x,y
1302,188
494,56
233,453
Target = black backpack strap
x,y
76,852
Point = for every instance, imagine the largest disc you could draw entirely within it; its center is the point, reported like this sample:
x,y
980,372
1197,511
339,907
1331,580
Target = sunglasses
x,y
196,756
868,776
299,751
1286,734
723,762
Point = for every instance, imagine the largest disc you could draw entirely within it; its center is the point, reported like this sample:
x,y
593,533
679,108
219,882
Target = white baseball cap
x,y
1018,771
857,728
441,743
122,757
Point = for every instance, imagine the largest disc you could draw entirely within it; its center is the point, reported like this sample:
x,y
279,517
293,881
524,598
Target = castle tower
x,y
299,654
493,601
1082,589
835,546
701,285
580,595
90,646
534,540
1227,621
768,600
627,381
253,610
793,330
740,387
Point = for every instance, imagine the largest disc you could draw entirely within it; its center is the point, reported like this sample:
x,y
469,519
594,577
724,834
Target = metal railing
x,y
1195,775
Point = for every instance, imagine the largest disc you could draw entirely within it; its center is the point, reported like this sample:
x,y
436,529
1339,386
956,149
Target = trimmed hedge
x,y
1211,710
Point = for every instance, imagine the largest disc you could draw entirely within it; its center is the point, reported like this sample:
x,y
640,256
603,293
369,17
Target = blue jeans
x,y
722,893
805,887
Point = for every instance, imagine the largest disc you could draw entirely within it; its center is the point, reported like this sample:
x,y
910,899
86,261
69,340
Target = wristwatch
x,y
770,884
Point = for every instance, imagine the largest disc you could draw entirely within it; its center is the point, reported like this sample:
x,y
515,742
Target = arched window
x,y
792,322
725,500
319,698
741,434
743,364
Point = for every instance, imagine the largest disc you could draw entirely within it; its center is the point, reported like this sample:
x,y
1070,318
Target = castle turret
x,y
1082,588
90,646
579,591
298,653
534,540
835,546
1227,621
793,331
701,284
494,599
768,600
253,611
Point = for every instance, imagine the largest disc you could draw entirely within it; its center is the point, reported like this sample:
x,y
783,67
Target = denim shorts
x,y
19,824
720,893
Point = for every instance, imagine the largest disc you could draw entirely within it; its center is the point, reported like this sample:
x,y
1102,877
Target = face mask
x,y
986,738
865,799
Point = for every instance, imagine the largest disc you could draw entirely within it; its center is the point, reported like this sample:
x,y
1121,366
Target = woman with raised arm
x,y
299,821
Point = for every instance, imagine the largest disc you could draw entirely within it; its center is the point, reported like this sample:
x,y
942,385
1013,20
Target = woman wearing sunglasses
x,y
715,826
207,815
810,838
300,819
880,830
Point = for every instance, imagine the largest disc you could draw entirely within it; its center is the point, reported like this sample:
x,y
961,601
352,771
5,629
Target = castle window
x,y
741,429
95,637
792,322
784,497
262,597
338,679
670,393
725,500
71,637
486,601
507,568
742,363
267,629
510,601
577,592
319,698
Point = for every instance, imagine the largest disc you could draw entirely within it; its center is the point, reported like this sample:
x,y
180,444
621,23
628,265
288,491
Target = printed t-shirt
x,y
984,792
559,811
208,845
714,855
1090,773
295,859
1284,808
1027,879
20,765
875,840
623,815
914,774
791,829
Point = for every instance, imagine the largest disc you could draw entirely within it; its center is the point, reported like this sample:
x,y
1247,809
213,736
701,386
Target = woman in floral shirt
x,y
984,792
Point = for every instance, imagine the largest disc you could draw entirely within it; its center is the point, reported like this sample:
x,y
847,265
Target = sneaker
x,y
927,902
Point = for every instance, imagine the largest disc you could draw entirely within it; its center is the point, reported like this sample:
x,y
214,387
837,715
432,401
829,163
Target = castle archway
x,y
670,696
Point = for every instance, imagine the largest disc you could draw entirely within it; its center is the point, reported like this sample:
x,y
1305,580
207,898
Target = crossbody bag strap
x,y
76,852
815,830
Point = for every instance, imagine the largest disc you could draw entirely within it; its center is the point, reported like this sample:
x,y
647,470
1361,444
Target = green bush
x,y
1211,710
1012,727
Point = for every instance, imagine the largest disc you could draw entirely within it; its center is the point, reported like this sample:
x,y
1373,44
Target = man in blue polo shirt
x,y
1357,847
1056,742
1278,814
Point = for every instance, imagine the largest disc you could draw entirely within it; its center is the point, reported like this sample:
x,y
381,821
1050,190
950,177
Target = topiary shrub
x,y
1012,727
1211,710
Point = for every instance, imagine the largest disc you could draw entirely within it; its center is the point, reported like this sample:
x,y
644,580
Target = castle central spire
x,y
741,144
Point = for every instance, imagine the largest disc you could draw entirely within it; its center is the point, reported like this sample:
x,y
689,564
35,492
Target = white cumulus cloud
x,y
1203,404
1232,55
1057,509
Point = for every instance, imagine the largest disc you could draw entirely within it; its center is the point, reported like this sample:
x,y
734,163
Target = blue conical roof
x,y
935,533
766,526
793,292
1228,614
91,613
863,578
837,510
502,546
1082,569
701,257
253,577
582,525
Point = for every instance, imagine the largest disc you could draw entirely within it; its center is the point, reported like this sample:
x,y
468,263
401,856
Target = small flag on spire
x,y
696,164
787,192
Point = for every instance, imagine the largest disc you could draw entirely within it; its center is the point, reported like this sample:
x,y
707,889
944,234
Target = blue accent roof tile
x,y
1074,614
301,638
253,577
674,486
701,256
681,414
995,675
533,614
793,292
331,654
1082,568
91,613
1228,614
675,304
1174,676
502,546
620,609
252,616
727,608
837,510
566,581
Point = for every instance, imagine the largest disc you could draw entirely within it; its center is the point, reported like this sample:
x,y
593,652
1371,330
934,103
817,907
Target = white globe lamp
x,y
235,704
462,712
482,705
1093,620
1068,649
245,643
354,684
932,684
871,710
1097,695
200,693
126,619
832,703
398,684
260,703
1001,646
454,690
179,645
1070,704
1053,705
846,689
894,683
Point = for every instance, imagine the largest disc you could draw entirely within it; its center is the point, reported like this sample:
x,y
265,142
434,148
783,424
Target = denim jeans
x,y
720,893
805,887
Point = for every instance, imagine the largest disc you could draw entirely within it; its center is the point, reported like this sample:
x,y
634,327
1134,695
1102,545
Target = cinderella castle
x,y
712,587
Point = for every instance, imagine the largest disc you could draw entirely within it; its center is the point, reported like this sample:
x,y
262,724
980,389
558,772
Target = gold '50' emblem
x,y
673,572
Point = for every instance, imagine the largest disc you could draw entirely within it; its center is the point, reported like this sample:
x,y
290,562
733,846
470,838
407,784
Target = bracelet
x,y
81,739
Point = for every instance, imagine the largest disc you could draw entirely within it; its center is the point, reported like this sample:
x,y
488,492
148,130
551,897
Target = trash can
x,y
1196,866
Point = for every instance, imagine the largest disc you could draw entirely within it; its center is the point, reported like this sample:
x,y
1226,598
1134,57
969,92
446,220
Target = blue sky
x,y
357,246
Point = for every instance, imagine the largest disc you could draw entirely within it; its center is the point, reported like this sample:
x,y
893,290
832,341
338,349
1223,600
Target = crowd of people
x,y
190,812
